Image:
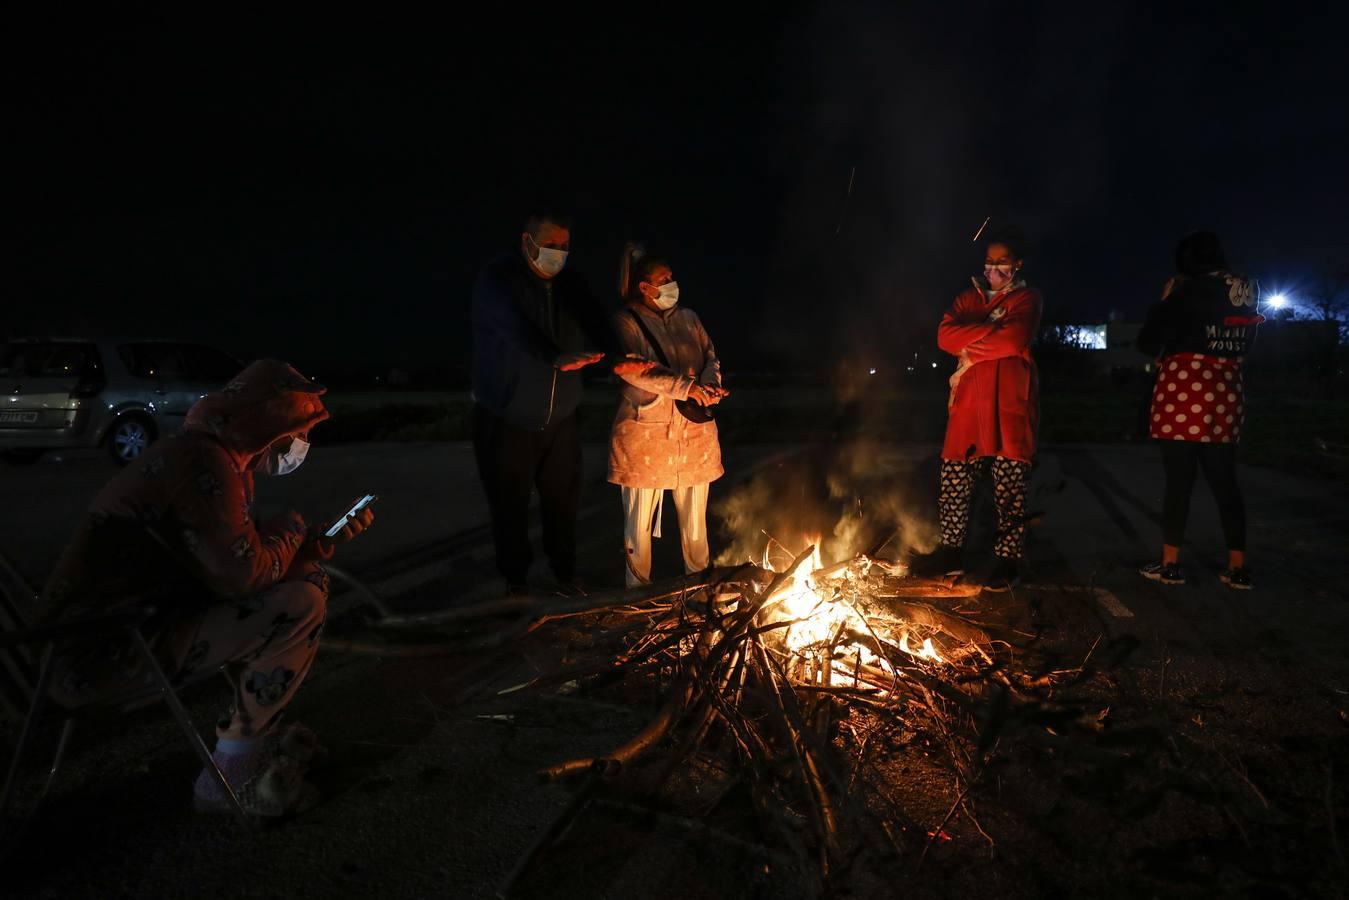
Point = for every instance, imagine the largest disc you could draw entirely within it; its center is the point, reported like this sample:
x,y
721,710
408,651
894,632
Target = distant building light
x,y
871,371
1088,337
934,365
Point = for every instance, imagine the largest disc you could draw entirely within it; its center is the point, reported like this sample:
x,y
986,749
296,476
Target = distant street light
x,y
1278,301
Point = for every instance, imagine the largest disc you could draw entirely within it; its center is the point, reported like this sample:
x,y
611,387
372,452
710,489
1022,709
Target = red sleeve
x,y
962,324
230,554
1012,334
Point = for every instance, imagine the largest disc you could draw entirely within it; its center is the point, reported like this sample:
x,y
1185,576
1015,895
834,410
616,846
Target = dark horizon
x,y
329,196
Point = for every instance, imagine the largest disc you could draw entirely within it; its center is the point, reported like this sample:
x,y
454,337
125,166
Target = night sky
x,y
324,189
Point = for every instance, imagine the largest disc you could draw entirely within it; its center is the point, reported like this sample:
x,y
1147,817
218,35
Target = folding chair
x,y
17,670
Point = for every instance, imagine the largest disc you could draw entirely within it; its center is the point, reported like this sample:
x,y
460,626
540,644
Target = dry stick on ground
x,y
1239,769
643,740
772,691
384,648
553,607
969,814
608,764
758,757
879,678
701,719
932,835
548,835
875,790
627,663
815,768
656,729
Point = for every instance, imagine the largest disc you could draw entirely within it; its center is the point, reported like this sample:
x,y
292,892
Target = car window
x,y
207,364
152,360
48,359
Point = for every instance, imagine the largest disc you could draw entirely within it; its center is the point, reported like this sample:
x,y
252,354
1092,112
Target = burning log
x,y
928,587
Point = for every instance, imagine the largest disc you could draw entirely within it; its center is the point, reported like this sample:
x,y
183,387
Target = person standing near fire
x,y
1199,333
993,410
663,437
535,327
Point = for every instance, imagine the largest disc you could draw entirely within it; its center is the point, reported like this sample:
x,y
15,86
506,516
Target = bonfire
x,y
791,673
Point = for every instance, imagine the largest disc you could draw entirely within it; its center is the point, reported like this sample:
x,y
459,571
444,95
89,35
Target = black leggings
x,y
1219,462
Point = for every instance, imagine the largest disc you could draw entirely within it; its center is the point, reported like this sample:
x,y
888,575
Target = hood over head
x,y
264,402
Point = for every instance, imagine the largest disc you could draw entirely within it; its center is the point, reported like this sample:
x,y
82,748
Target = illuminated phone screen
x,y
341,523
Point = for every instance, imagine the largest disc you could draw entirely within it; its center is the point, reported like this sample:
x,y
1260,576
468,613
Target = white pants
x,y
641,508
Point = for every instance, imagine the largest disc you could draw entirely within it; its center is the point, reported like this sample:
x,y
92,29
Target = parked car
x,y
59,393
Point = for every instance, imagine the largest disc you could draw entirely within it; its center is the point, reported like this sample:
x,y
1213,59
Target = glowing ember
x,y
927,651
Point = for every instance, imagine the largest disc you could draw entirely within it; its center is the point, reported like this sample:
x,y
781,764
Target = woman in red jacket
x,y
993,408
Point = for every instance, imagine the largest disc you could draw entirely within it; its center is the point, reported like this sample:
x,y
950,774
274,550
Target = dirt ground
x,y
1216,766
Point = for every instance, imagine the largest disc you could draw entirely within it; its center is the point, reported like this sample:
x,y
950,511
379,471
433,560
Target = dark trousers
x,y
512,462
1181,460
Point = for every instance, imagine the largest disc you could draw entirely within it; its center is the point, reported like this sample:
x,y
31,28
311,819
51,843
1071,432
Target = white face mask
x,y
549,261
999,277
287,461
668,296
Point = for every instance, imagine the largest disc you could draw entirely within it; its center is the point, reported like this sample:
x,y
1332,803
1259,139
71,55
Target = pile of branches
x,y
805,728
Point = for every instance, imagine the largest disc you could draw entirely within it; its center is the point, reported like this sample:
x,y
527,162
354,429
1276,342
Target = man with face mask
x,y
993,410
176,530
535,327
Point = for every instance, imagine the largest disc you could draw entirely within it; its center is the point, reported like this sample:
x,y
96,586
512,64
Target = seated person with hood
x,y
175,530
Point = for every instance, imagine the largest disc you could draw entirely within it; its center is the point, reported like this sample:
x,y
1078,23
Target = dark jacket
x,y
521,323
1213,314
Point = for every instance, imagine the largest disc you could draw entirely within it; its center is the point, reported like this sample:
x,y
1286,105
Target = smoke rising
x,y
848,494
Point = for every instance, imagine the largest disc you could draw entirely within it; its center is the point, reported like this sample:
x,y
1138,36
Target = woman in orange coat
x,y
663,438
993,408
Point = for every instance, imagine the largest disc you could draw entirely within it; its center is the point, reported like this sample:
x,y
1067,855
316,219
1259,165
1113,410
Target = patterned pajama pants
x,y
958,478
266,643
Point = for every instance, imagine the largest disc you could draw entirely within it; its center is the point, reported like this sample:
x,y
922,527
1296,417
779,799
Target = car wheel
x,y
23,457
129,438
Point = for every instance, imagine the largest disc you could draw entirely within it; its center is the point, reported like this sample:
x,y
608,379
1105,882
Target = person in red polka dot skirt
x,y
1199,333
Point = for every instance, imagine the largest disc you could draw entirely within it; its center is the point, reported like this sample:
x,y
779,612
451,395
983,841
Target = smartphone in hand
x,y
342,521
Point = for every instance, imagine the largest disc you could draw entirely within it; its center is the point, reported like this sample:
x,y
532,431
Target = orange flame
x,y
817,618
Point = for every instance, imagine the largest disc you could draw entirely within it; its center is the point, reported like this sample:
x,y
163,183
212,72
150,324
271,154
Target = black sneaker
x,y
945,560
1164,573
1006,574
1237,579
